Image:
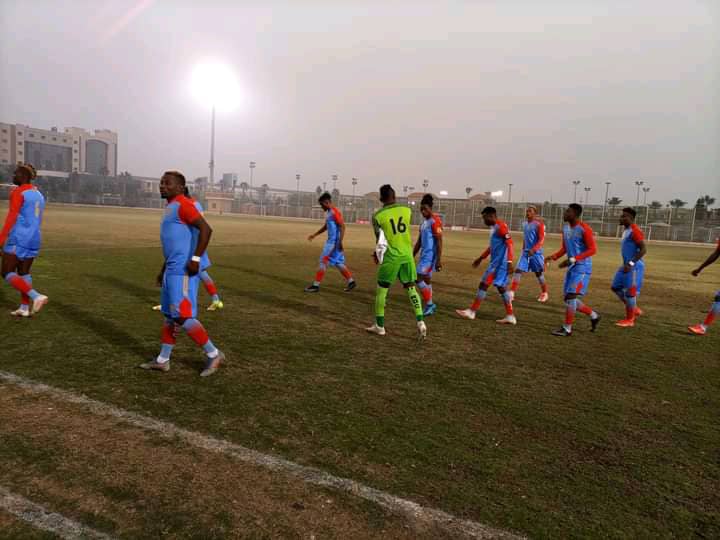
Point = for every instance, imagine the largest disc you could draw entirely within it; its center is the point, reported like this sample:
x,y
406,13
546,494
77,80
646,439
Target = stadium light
x,y
214,85
444,193
496,194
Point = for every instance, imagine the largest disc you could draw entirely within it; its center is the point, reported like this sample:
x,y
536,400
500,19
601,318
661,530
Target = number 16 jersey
x,y
394,221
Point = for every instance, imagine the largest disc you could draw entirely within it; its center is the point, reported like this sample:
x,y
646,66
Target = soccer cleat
x,y
350,286
375,329
508,319
20,312
697,329
429,310
594,323
544,297
561,332
39,303
165,366
422,331
157,308
625,323
312,288
639,312
216,305
466,313
212,365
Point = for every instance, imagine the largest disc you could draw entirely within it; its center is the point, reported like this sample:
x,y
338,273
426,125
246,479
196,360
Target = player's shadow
x,y
145,294
287,304
103,328
359,296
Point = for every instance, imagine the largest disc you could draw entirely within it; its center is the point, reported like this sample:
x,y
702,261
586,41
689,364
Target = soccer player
x,y
184,235
205,263
498,271
333,253
429,244
391,225
628,280
701,329
20,240
579,245
532,259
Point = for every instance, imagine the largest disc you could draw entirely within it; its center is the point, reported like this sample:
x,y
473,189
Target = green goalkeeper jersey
x,y
394,220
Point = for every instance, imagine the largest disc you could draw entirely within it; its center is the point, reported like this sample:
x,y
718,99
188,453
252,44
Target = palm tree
x,y
336,194
468,190
318,190
677,203
614,201
706,201
656,205
244,186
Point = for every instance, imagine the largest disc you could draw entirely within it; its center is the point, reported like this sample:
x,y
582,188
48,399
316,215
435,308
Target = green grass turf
x,y
607,434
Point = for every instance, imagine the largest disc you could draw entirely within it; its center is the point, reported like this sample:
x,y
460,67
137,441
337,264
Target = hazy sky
x,y
480,94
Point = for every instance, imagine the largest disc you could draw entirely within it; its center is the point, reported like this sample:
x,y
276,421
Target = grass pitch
x,y
607,434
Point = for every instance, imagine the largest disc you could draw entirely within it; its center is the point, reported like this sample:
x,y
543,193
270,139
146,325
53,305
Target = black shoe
x,y
561,332
350,286
312,288
594,323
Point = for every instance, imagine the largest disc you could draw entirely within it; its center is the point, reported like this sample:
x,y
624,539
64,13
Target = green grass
x,y
606,434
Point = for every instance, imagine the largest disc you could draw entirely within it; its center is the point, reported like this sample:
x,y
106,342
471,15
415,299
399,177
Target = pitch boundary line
x,y
41,518
409,509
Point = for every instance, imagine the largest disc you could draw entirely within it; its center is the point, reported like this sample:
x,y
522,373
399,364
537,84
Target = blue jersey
x,y
630,245
22,226
501,245
534,236
430,231
333,221
578,242
204,259
176,234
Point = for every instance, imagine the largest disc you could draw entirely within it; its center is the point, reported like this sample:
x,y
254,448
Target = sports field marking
x,y
41,518
412,511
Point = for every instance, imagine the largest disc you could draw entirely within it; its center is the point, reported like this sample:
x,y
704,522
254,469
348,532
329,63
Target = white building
x,y
73,150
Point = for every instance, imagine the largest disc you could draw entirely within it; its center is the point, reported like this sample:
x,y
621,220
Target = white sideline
x,y
396,505
41,518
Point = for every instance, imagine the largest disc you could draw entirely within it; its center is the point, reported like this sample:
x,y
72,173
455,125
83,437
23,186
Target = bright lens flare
x,y
215,84
496,194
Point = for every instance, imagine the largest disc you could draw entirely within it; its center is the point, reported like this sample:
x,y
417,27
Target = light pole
x,y
426,183
607,192
645,192
587,194
354,183
638,183
297,179
510,203
334,181
252,168
212,149
576,183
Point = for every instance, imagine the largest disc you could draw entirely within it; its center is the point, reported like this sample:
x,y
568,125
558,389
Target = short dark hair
x,y
177,174
631,211
386,192
427,200
577,208
325,197
488,210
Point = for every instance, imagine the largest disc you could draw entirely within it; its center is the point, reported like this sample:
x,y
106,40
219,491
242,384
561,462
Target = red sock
x,y
630,312
320,275
514,285
710,318
196,332
346,273
543,287
509,308
426,294
210,287
24,299
168,334
476,304
582,308
19,284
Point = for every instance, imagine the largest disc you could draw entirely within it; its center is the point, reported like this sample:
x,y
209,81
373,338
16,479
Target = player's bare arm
x,y
318,233
342,237
193,266
439,240
710,260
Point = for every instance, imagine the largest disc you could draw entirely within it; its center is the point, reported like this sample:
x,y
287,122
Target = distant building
x,y
72,150
229,181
